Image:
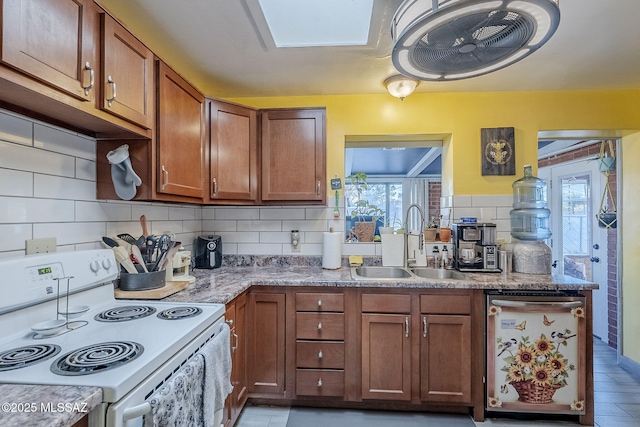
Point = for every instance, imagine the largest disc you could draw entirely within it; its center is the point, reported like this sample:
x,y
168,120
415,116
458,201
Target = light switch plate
x,y
39,246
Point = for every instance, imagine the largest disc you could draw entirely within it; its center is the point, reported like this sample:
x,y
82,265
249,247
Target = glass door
x,y
577,243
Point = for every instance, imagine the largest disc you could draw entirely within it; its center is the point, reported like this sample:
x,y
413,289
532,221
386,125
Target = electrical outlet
x,y
39,246
295,241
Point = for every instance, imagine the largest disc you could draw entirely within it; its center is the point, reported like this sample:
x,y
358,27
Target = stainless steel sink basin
x,y
378,273
437,273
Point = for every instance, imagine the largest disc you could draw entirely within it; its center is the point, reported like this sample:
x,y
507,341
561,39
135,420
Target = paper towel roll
x,y
331,250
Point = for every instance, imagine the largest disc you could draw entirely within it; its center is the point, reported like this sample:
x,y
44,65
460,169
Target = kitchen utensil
x,y
143,223
163,244
128,238
123,259
169,254
135,251
75,311
110,242
49,327
150,245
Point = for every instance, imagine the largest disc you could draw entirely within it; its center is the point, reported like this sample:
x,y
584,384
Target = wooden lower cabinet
x,y
266,361
235,316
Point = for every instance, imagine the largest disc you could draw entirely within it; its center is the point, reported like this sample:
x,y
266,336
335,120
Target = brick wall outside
x,y
435,191
592,151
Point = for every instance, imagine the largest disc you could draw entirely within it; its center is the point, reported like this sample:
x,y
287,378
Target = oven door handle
x,y
136,411
507,303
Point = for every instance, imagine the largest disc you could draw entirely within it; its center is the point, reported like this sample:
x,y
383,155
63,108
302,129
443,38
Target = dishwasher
x,y
536,352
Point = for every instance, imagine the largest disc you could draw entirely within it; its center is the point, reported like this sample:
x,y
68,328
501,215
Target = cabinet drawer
x,y
320,326
445,304
319,302
319,382
386,303
320,354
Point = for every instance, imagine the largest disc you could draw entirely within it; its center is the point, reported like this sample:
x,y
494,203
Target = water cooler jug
x,y
530,225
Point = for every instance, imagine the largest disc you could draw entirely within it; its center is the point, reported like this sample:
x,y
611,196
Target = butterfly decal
x,y
546,321
503,389
522,326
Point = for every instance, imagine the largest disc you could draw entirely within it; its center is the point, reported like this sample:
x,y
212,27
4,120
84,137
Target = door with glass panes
x,y
577,243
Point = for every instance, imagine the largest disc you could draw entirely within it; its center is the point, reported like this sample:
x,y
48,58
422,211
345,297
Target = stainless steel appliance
x,y
536,352
47,337
474,247
208,251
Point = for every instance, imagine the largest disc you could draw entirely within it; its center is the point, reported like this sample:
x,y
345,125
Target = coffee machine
x,y
474,247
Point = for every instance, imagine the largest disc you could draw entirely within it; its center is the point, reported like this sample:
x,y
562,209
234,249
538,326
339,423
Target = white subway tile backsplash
x,y
194,226
152,212
260,225
492,200
277,237
14,236
312,237
68,233
15,129
28,159
259,249
16,183
85,169
232,213
305,250
359,249
164,227
503,213
185,213
242,237
282,213
458,201
23,210
63,141
102,211
132,227
319,225
55,187
318,213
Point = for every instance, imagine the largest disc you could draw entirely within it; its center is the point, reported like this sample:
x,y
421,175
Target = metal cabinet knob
x,y
320,382
320,354
319,303
319,325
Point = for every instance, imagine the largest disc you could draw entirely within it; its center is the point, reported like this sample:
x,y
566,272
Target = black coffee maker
x,y
208,251
474,247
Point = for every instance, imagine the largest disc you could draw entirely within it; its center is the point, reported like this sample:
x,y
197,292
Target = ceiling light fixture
x,y
458,39
401,86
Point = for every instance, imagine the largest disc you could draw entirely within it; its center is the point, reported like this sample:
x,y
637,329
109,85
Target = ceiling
x,y
221,46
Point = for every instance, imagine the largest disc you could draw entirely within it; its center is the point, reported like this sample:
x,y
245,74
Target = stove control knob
x,y
94,266
106,263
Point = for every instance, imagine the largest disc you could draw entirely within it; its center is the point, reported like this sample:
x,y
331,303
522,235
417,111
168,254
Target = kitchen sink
x,y
438,273
378,273
394,273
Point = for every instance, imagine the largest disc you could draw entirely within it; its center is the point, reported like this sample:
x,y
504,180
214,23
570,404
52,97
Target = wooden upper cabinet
x,y
53,41
233,154
127,75
293,156
180,133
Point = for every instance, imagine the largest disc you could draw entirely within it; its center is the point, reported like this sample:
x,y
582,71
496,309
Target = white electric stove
x,y
128,348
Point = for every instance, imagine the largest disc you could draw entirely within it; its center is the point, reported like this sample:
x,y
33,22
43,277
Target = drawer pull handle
x,y
165,177
234,347
318,185
214,187
424,326
320,382
229,322
406,327
319,325
319,303
111,91
320,354
88,78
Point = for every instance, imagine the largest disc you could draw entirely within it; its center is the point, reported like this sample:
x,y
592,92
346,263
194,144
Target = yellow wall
x,y
462,115
631,248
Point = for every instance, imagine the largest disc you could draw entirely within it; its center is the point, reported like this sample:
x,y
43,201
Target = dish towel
x,y
178,403
217,373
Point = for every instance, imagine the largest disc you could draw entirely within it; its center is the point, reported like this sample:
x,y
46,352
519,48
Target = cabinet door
x,y
386,357
230,318
53,41
293,155
266,366
239,371
445,358
233,158
127,75
180,133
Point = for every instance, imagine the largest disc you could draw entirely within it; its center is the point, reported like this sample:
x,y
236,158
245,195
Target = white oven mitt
x,y
124,178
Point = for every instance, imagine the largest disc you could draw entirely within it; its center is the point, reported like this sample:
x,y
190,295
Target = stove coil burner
x,y
97,358
22,357
123,314
177,313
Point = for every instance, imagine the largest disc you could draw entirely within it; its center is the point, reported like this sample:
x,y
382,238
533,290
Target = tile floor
x,y
617,400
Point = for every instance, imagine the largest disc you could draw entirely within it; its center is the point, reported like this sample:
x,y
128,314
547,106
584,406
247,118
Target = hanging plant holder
x,y
607,218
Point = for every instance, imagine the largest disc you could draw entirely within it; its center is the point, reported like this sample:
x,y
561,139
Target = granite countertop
x,y
223,284
41,405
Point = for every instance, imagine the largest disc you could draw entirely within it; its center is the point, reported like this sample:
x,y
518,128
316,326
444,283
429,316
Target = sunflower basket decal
x,y
535,369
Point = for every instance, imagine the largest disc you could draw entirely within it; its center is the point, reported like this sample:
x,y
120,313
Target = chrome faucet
x,y
406,233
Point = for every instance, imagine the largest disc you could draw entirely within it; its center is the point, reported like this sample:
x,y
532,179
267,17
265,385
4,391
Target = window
x,y
386,196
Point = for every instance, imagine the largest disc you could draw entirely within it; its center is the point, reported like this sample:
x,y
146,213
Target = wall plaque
x,y
498,151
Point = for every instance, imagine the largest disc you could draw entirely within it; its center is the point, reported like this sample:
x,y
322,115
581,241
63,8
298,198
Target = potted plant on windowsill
x,y
362,209
431,230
